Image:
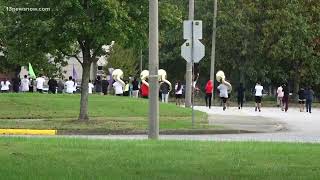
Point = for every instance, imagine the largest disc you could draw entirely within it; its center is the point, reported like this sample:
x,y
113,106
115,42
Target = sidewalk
x,y
291,121
247,123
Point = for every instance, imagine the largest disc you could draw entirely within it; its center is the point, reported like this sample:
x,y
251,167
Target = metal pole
x,y
153,70
192,76
213,50
189,65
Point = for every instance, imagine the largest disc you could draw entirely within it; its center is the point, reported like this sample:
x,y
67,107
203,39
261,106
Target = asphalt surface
x,y
299,127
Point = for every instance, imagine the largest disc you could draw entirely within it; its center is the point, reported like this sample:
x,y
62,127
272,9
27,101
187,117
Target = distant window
x,y
99,67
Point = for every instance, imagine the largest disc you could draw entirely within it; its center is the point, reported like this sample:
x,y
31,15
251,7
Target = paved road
x,y
295,121
302,127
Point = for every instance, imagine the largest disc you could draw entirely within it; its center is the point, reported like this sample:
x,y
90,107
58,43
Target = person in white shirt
x,y
223,93
280,95
258,96
118,88
40,82
90,87
69,86
25,84
178,93
5,86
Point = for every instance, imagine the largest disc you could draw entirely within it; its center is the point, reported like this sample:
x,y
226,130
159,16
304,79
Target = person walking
x,y
135,88
164,89
90,87
118,88
5,86
126,88
105,85
40,82
25,83
240,95
309,93
16,84
98,85
285,100
223,93
279,96
301,99
258,96
60,86
69,86
178,93
53,84
31,85
144,90
74,86
209,90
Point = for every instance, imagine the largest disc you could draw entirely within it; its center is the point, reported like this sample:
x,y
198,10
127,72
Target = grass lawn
x,y
107,113
53,158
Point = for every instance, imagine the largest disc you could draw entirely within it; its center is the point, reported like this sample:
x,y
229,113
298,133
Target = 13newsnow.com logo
x,y
27,9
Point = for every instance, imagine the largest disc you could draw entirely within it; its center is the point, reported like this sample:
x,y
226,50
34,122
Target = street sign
x,y
192,49
198,51
189,26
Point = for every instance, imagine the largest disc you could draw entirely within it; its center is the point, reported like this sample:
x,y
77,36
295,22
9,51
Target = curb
x,y
162,132
27,132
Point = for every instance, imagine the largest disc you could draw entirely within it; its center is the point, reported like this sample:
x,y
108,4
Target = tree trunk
x,y
84,90
296,84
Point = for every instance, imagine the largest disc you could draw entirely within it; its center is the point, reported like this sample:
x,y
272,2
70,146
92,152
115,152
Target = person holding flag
x,y
32,76
31,72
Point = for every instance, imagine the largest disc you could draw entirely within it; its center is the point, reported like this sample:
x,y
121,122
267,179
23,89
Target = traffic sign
x,y
192,48
189,26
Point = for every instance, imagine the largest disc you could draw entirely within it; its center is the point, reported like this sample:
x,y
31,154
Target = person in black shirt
x,y
16,84
240,96
105,85
309,98
98,85
53,84
285,99
164,89
301,99
31,85
135,88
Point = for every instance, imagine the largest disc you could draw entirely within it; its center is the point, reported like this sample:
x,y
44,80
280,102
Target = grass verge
x,y
107,113
54,158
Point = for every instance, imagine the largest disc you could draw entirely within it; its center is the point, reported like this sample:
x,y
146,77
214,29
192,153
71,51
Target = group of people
x,y
305,98
40,84
223,89
136,88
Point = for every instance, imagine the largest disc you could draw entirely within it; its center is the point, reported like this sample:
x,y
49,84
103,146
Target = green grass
x,y
107,113
37,158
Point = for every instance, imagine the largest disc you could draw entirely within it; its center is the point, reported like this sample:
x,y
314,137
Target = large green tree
x,y
72,27
78,29
271,41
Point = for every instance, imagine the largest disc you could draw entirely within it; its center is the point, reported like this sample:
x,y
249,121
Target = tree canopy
x,y
272,41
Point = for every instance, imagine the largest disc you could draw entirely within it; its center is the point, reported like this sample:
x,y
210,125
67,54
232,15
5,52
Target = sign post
x,y
192,50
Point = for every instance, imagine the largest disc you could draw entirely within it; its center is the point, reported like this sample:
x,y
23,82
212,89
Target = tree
x,y
74,27
124,59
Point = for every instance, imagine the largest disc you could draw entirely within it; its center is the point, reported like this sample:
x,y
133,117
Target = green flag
x,y
31,72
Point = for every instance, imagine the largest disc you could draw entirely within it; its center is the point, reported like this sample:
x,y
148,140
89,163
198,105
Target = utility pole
x,y
189,64
213,50
153,70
